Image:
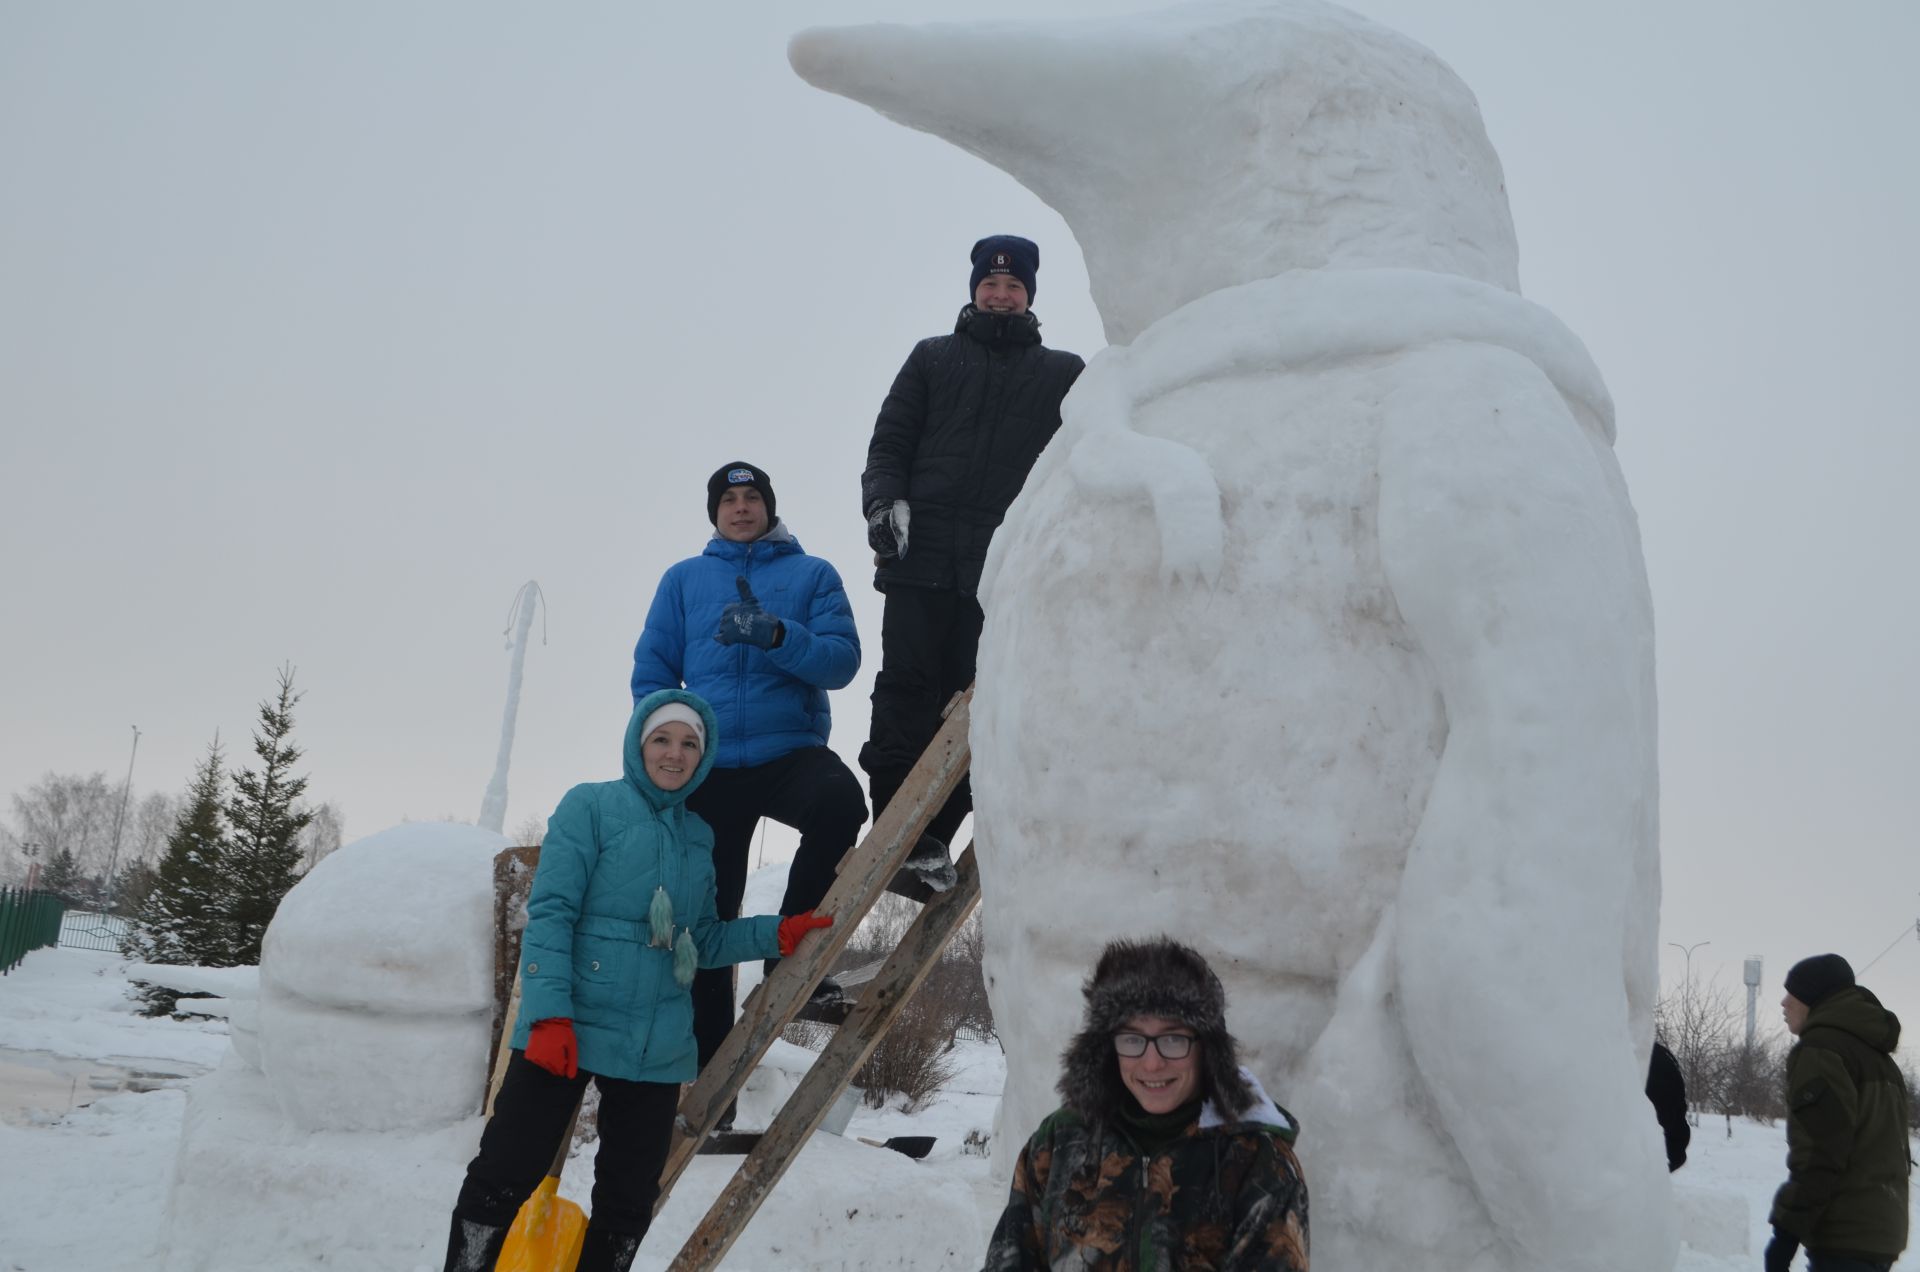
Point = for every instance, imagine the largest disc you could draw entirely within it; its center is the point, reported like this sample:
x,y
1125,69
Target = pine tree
x,y
184,920
62,876
264,852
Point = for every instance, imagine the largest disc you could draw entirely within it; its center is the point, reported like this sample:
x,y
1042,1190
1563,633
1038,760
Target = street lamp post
x,y
1686,1038
1688,950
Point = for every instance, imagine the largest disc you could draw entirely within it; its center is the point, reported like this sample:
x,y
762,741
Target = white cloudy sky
x,y
322,328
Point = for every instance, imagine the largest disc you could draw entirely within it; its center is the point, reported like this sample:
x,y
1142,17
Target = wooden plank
x,y
903,973
864,874
512,883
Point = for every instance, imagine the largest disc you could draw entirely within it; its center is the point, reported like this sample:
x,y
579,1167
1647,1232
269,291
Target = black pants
x,y
928,641
529,1117
811,790
1818,1262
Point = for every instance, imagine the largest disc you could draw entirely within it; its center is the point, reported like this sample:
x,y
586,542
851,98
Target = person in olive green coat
x,y
1848,1142
621,914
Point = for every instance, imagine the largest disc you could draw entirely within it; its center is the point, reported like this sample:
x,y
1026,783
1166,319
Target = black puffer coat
x,y
961,427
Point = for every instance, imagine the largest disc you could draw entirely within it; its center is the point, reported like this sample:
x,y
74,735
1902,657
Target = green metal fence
x,y
28,921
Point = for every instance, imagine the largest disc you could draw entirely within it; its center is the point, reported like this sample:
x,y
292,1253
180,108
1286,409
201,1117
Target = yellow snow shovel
x,y
546,1234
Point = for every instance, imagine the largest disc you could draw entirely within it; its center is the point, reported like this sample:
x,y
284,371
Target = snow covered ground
x,y
86,1169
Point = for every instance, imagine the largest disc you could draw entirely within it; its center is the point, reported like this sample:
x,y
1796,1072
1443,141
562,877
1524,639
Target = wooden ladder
x,y
863,877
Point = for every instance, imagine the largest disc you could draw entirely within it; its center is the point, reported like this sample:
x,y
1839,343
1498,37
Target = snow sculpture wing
x,y
1110,458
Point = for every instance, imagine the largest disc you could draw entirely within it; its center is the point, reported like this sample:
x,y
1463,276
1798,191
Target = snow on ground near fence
x,y
89,1187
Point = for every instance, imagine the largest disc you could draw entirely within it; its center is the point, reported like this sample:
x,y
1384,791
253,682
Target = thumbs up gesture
x,y
745,623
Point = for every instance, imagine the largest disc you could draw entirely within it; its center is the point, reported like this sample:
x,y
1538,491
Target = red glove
x,y
551,1045
792,929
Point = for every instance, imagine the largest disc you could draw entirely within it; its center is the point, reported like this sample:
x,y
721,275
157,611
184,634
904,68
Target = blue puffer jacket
x,y
587,953
769,701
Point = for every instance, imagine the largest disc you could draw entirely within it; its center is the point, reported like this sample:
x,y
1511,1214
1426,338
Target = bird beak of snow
x,y
1054,104
1097,119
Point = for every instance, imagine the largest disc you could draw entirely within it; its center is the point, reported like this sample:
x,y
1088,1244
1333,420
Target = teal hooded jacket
x,y
594,949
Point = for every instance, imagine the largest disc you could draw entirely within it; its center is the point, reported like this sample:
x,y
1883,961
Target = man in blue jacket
x,y
762,631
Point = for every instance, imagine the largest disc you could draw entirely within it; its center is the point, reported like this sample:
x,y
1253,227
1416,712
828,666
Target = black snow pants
x,y
929,638
529,1117
811,790
1819,1262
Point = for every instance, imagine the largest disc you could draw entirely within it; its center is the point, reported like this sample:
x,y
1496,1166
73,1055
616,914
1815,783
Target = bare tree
x,y
321,835
72,813
149,824
1697,1022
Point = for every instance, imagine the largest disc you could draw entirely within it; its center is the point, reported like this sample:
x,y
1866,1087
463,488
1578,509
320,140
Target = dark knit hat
x,y
1814,980
1006,254
1156,977
738,473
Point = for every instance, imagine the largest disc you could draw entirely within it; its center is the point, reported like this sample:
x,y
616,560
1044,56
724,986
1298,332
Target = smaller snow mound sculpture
x,y
385,950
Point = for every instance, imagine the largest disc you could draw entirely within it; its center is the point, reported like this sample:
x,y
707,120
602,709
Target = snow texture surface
x,y
1320,637
382,956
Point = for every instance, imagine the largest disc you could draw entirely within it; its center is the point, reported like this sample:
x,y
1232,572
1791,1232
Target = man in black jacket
x,y
960,429
1848,1144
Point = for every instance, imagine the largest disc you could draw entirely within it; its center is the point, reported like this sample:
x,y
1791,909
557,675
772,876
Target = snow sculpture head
x,y
1339,513
1202,147
376,982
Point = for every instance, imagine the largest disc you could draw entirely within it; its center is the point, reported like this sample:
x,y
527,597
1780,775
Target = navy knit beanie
x,y
1814,980
738,473
1005,254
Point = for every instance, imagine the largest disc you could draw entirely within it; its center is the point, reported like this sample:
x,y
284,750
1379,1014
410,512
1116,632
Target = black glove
x,y
745,623
1780,1252
880,532
887,530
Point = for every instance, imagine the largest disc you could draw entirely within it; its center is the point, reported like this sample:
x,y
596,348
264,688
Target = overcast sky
x,y
324,327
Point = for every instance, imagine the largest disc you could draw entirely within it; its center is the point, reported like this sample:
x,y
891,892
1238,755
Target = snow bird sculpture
x,y
1368,715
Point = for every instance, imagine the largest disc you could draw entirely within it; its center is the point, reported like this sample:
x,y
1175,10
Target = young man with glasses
x,y
1167,1153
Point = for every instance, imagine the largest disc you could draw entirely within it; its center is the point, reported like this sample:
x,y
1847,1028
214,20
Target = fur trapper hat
x,y
1156,977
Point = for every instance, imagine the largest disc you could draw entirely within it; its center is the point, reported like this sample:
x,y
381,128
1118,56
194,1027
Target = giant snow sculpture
x,y
1320,636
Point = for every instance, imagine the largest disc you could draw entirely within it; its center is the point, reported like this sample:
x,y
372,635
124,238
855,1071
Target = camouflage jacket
x,y
1220,1197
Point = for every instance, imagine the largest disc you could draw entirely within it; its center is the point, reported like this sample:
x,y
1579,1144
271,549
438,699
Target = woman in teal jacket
x,y
621,914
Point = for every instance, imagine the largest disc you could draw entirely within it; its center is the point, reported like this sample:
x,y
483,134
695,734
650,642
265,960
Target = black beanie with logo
x,y
738,473
1006,254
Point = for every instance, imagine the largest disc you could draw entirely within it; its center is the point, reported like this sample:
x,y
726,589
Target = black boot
x,y
474,1247
604,1251
928,871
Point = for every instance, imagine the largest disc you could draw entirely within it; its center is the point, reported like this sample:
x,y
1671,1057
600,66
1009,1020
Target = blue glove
x,y
745,623
1780,1252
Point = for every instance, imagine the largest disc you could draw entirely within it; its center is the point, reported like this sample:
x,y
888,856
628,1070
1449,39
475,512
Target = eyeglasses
x,y
1171,1046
